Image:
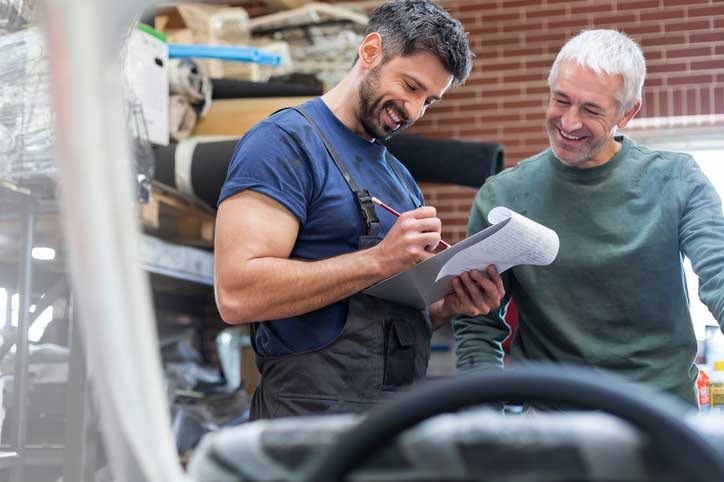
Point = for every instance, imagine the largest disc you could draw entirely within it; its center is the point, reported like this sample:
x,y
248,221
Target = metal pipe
x,y
25,287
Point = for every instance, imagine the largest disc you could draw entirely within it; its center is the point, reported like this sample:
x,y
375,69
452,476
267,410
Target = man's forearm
x,y
270,288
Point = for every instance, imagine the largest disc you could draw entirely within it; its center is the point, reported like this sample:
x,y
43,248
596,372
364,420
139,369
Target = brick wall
x,y
515,43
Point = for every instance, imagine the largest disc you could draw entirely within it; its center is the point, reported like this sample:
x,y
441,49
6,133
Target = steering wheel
x,y
574,386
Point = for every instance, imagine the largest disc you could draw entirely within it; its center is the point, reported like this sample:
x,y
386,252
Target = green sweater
x,y
615,297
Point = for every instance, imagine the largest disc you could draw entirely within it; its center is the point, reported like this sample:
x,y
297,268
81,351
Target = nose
x,y
415,108
571,120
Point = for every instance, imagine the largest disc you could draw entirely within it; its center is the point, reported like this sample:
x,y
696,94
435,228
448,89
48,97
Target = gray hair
x,y
607,52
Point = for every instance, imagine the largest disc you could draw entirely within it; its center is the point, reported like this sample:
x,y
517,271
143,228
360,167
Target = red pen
x,y
397,215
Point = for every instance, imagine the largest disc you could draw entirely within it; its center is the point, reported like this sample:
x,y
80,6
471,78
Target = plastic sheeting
x,y
26,129
101,232
470,446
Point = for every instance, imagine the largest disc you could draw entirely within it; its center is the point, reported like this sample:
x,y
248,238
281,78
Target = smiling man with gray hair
x,y
615,298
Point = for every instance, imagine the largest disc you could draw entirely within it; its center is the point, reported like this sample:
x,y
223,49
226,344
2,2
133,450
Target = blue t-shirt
x,y
284,158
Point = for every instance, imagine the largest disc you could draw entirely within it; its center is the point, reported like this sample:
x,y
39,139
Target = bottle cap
x,y
719,365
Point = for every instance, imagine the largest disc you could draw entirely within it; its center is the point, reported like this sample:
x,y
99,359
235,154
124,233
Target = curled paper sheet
x,y
519,241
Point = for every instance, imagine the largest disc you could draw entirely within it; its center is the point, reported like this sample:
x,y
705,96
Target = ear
x,y
627,116
370,51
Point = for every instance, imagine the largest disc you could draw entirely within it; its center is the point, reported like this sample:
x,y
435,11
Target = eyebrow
x,y
421,85
585,104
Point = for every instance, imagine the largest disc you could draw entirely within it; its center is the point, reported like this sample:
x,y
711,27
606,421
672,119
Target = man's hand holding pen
x,y
413,238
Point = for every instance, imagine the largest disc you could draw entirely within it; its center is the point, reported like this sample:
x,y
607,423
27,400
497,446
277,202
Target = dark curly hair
x,y
411,26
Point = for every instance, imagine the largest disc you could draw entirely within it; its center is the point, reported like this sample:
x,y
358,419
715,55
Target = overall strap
x,y
364,200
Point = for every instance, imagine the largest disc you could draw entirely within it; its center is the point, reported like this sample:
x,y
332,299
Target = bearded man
x,y
298,238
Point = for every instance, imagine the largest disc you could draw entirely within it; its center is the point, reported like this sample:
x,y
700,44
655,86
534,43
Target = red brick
x,y
678,103
478,131
474,7
478,107
719,23
500,17
660,15
499,118
719,50
654,82
637,29
519,52
523,27
718,100
553,2
509,40
547,13
649,104
637,5
537,89
614,20
706,37
667,40
486,54
485,67
565,24
522,104
668,67
483,81
705,105
459,93
692,106
590,9
537,117
664,104
708,65
689,52
676,3
687,26
653,55
508,4
501,92
524,78
707,11
442,108
540,64
720,78
535,37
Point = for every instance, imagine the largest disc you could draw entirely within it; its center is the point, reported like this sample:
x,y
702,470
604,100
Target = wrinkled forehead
x,y
584,85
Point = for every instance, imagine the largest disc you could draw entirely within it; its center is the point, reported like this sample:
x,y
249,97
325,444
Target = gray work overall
x,y
383,347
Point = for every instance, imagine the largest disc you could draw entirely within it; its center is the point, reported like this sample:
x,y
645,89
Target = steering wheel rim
x,y
575,386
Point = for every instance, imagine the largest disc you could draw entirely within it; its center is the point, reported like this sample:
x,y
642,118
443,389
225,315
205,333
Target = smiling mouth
x,y
568,136
396,119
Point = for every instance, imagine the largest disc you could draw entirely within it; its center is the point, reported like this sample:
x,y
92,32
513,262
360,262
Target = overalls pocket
x,y
399,353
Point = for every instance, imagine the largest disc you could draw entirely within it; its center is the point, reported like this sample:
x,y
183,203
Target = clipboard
x,y
418,286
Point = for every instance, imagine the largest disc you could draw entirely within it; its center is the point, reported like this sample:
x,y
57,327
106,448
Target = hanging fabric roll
x,y
188,78
181,117
198,165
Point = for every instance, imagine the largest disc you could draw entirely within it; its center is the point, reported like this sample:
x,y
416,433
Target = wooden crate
x,y
233,117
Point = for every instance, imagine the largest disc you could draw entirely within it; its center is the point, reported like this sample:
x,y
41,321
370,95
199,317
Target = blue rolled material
x,y
224,52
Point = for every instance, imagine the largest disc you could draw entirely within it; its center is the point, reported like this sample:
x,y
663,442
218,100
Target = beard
x,y
585,152
371,107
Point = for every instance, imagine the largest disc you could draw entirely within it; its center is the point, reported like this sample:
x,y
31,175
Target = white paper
x,y
520,241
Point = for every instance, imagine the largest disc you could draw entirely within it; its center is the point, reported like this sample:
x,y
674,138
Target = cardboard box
x,y
147,75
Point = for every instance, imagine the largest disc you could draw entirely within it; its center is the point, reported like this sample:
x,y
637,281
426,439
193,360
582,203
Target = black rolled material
x,y
239,89
672,437
446,160
428,160
209,163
